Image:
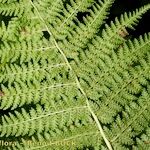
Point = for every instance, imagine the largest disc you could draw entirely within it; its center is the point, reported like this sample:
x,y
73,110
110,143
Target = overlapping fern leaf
x,y
72,83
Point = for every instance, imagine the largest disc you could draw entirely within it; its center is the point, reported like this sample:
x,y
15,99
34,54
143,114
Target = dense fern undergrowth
x,y
70,82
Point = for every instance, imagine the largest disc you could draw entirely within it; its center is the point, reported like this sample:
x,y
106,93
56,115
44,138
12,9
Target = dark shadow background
x,y
121,6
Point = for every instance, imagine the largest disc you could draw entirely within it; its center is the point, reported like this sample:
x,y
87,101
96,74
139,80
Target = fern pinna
x,y
69,83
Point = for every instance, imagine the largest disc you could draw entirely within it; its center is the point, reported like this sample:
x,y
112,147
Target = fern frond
x,y
143,141
26,51
85,31
22,123
111,37
31,72
115,74
62,22
20,93
9,33
134,121
13,7
66,78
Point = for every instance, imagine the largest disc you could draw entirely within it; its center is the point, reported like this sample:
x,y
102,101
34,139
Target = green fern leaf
x,y
73,83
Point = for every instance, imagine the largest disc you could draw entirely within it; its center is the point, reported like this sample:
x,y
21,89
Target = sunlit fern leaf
x,y
71,82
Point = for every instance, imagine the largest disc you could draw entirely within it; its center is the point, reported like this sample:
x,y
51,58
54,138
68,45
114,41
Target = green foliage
x,y
73,83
